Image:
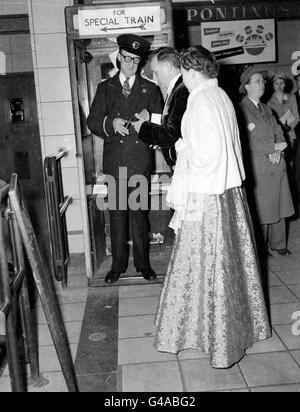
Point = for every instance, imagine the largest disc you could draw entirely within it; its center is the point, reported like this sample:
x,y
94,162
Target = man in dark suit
x,y
166,71
125,156
297,143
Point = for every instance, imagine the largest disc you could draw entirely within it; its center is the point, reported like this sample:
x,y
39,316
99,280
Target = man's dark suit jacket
x,y
166,134
297,128
110,103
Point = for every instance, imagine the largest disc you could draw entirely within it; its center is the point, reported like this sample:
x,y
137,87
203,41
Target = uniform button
x,y
137,142
121,141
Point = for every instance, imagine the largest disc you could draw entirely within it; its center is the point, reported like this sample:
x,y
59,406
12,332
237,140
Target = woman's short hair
x,y
201,60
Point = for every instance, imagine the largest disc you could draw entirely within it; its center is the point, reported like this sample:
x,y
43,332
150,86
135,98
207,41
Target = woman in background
x,y
285,108
212,298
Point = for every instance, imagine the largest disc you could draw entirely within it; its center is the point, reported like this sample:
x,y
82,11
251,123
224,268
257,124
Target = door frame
x,y
71,13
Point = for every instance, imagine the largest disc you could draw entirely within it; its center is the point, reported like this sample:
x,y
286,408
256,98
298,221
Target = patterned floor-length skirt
x,y
212,296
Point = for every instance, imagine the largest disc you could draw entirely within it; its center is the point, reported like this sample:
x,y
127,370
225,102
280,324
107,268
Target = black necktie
x,y
126,88
259,106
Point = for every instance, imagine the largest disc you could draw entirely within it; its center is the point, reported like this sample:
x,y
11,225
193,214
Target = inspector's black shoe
x,y
148,274
283,252
112,277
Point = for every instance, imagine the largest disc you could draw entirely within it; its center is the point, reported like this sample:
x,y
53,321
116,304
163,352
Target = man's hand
x,y
119,126
144,114
142,117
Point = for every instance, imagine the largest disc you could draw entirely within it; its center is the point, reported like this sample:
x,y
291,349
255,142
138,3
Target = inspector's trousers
x,y
133,221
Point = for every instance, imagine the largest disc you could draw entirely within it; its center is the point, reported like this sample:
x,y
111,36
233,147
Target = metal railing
x,y
14,299
57,205
16,324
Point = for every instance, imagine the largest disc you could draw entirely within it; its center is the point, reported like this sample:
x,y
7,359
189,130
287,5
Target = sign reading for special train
x,y
119,20
240,42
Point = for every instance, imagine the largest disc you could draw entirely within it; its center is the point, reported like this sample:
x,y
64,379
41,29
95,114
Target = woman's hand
x,y
275,157
119,126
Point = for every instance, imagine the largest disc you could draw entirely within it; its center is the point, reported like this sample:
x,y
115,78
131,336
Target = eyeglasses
x,y
128,59
258,81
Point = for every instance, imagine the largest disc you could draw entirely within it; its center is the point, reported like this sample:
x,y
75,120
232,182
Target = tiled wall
x,y
50,62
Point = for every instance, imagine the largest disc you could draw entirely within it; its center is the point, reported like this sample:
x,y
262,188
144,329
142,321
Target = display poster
x,y
242,41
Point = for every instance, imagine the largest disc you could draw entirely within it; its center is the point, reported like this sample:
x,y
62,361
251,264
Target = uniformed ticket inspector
x,y
112,111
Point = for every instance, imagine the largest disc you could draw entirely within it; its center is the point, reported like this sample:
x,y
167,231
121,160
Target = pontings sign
x,y
119,20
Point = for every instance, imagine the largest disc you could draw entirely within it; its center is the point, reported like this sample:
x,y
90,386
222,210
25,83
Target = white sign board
x,y
119,20
2,63
240,42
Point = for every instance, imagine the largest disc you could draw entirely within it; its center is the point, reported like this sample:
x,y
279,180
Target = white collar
x,y
254,101
172,84
204,85
123,78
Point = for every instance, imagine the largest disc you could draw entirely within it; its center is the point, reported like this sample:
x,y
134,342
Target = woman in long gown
x,y
212,297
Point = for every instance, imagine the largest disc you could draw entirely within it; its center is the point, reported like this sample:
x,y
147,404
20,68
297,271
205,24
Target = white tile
x,y
55,84
140,350
278,388
138,306
49,360
70,182
74,219
152,377
72,312
76,244
58,118
272,344
48,16
53,382
54,143
51,50
135,291
136,326
199,376
281,294
270,369
73,330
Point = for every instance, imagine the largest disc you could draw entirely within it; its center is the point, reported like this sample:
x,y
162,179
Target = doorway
x,y
92,60
20,147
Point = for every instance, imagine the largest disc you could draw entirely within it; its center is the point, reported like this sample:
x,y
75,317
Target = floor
x,y
111,335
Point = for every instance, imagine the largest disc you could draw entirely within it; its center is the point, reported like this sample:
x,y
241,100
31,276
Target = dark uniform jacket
x,y
166,134
109,103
